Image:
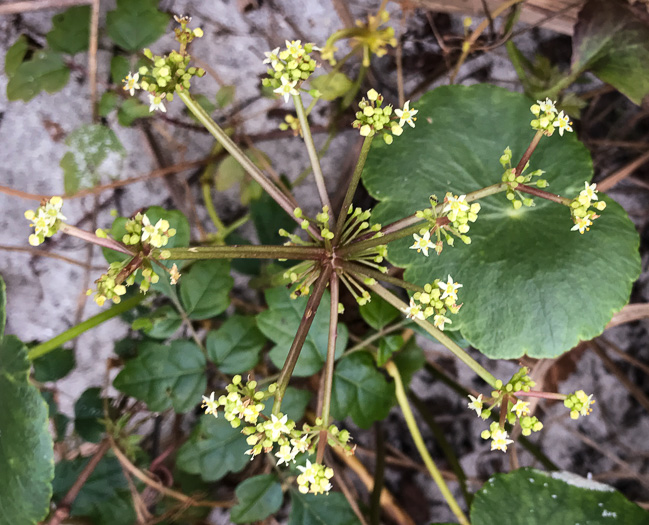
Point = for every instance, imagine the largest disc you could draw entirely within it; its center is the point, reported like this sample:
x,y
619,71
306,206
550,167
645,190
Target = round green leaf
x,y
234,347
259,497
531,286
159,324
205,289
560,498
280,322
70,31
332,85
360,390
134,25
54,365
15,55
378,313
165,376
213,449
45,71
88,410
26,447
316,509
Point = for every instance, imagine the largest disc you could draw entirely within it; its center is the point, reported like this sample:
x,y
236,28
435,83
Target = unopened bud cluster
x,y
372,118
581,208
289,67
548,118
112,285
579,404
514,179
140,230
46,220
437,299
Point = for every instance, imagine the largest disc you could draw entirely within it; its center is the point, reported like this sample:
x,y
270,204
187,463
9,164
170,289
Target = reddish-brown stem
x,y
542,395
109,243
528,153
543,194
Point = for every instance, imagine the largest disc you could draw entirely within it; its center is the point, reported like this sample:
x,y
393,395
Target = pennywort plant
x,y
473,240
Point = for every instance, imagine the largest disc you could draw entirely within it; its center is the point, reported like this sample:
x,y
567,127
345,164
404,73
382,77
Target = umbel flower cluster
x,y
46,220
514,179
548,118
372,118
245,404
580,208
452,222
436,300
289,68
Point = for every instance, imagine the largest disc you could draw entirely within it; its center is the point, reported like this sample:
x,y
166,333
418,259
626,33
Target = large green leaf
x,y
104,498
26,447
612,41
360,390
134,25
89,146
559,498
259,497
213,449
205,289
45,71
280,322
316,509
165,376
88,410
234,347
531,286
70,31
54,365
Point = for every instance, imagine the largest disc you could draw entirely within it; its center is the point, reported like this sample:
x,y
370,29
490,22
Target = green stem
x,y
313,154
234,150
245,251
300,336
351,189
235,225
378,335
379,471
459,352
76,331
421,446
374,274
211,210
305,172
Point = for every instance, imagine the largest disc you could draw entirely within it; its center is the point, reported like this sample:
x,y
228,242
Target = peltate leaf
x,y
88,410
53,366
531,286
205,289
315,509
360,390
234,348
280,322
70,31
134,25
259,497
15,55
213,449
611,39
45,71
165,376
559,498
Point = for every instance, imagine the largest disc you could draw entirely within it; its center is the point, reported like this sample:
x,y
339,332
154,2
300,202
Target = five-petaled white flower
x,y
590,191
455,205
406,115
307,471
499,440
522,408
271,57
563,123
582,224
210,405
286,89
294,48
422,244
156,104
285,454
276,426
130,83
414,311
449,288
439,321
547,106
476,403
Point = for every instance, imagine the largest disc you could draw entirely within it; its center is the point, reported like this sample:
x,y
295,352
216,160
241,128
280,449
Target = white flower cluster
x,y
139,229
548,118
580,208
437,298
289,67
46,220
314,478
372,118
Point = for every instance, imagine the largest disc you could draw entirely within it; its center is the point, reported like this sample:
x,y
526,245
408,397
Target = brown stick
x,y
36,5
623,173
92,58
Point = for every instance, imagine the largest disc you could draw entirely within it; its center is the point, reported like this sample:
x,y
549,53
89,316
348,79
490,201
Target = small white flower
x,y
210,405
449,288
286,89
285,454
521,408
439,321
422,244
276,426
547,106
294,48
130,83
406,115
455,205
476,403
414,311
271,57
582,224
590,191
499,440
156,104
563,123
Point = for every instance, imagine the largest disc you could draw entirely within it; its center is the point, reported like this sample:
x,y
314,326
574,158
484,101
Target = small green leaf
x,y
70,31
162,323
53,366
213,449
612,41
360,390
280,322
107,103
228,173
60,420
46,71
205,103
119,68
378,313
88,410
409,359
26,454
165,376
15,55
259,497
234,348
225,96
89,147
559,498
205,289
332,85
268,218
294,403
316,509
387,346
104,498
134,25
